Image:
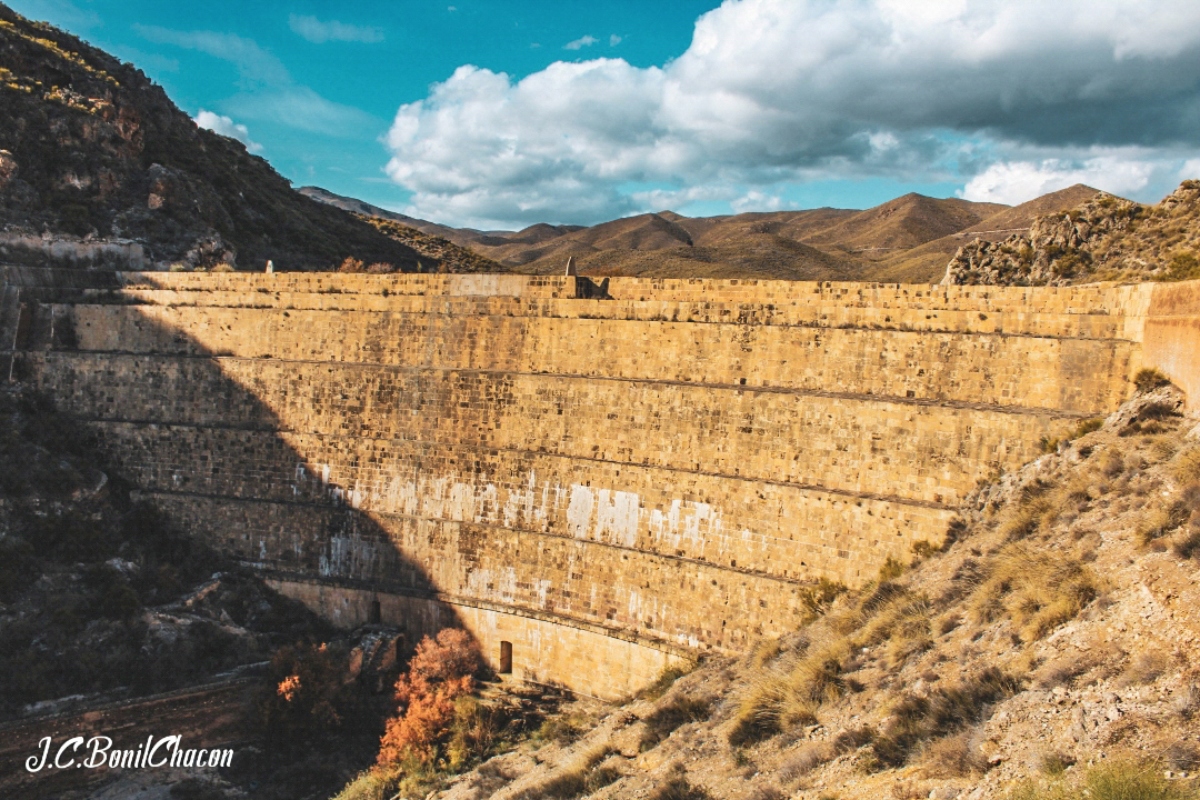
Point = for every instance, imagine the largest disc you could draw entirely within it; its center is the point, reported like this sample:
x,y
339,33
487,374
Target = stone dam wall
x,y
608,479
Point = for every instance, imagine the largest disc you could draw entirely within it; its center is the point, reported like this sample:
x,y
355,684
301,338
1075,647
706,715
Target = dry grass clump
x,y
808,757
1117,781
1185,466
907,626
1038,591
765,652
956,756
1145,667
1033,509
916,719
665,719
678,788
581,779
783,698
662,683
1147,380
1025,520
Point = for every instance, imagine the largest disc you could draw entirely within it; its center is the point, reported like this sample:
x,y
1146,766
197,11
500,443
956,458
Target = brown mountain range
x,y
909,239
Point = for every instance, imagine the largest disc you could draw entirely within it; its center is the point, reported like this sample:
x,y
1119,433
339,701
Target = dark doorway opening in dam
x,y
374,613
505,658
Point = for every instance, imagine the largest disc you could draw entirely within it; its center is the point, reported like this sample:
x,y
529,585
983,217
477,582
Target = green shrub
x,y
817,598
892,568
1183,267
371,784
559,729
112,596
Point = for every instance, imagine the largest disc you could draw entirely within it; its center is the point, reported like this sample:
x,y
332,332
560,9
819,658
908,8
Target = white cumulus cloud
x,y
754,200
1014,182
777,91
580,43
320,32
227,127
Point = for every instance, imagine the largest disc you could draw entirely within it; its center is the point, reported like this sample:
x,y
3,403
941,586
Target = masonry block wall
x,y
608,477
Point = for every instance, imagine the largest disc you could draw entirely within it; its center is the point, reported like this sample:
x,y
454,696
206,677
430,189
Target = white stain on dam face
x,y
499,584
350,557
685,525
587,513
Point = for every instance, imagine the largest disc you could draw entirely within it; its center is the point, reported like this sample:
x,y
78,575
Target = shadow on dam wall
x,y
600,480
177,420
204,449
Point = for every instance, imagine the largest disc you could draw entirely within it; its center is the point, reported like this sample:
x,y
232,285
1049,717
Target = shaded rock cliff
x,y
89,147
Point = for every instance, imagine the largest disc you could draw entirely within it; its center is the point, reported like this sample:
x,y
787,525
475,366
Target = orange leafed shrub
x,y
440,672
288,687
310,693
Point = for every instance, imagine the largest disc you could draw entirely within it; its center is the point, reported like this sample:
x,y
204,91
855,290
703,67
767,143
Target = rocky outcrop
x,y
1057,249
1106,238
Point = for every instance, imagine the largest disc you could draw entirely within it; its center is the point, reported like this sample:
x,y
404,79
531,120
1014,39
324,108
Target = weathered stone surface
x,y
608,485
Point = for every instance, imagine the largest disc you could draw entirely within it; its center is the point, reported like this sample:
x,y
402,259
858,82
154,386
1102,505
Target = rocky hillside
x,y
436,253
1047,650
98,591
89,147
1106,238
927,262
105,602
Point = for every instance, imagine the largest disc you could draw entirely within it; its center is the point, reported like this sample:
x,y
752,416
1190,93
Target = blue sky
x,y
501,114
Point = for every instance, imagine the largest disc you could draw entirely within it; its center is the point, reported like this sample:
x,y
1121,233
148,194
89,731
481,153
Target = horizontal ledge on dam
x,y
803,487
757,575
382,587
517,285
747,388
1028,323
